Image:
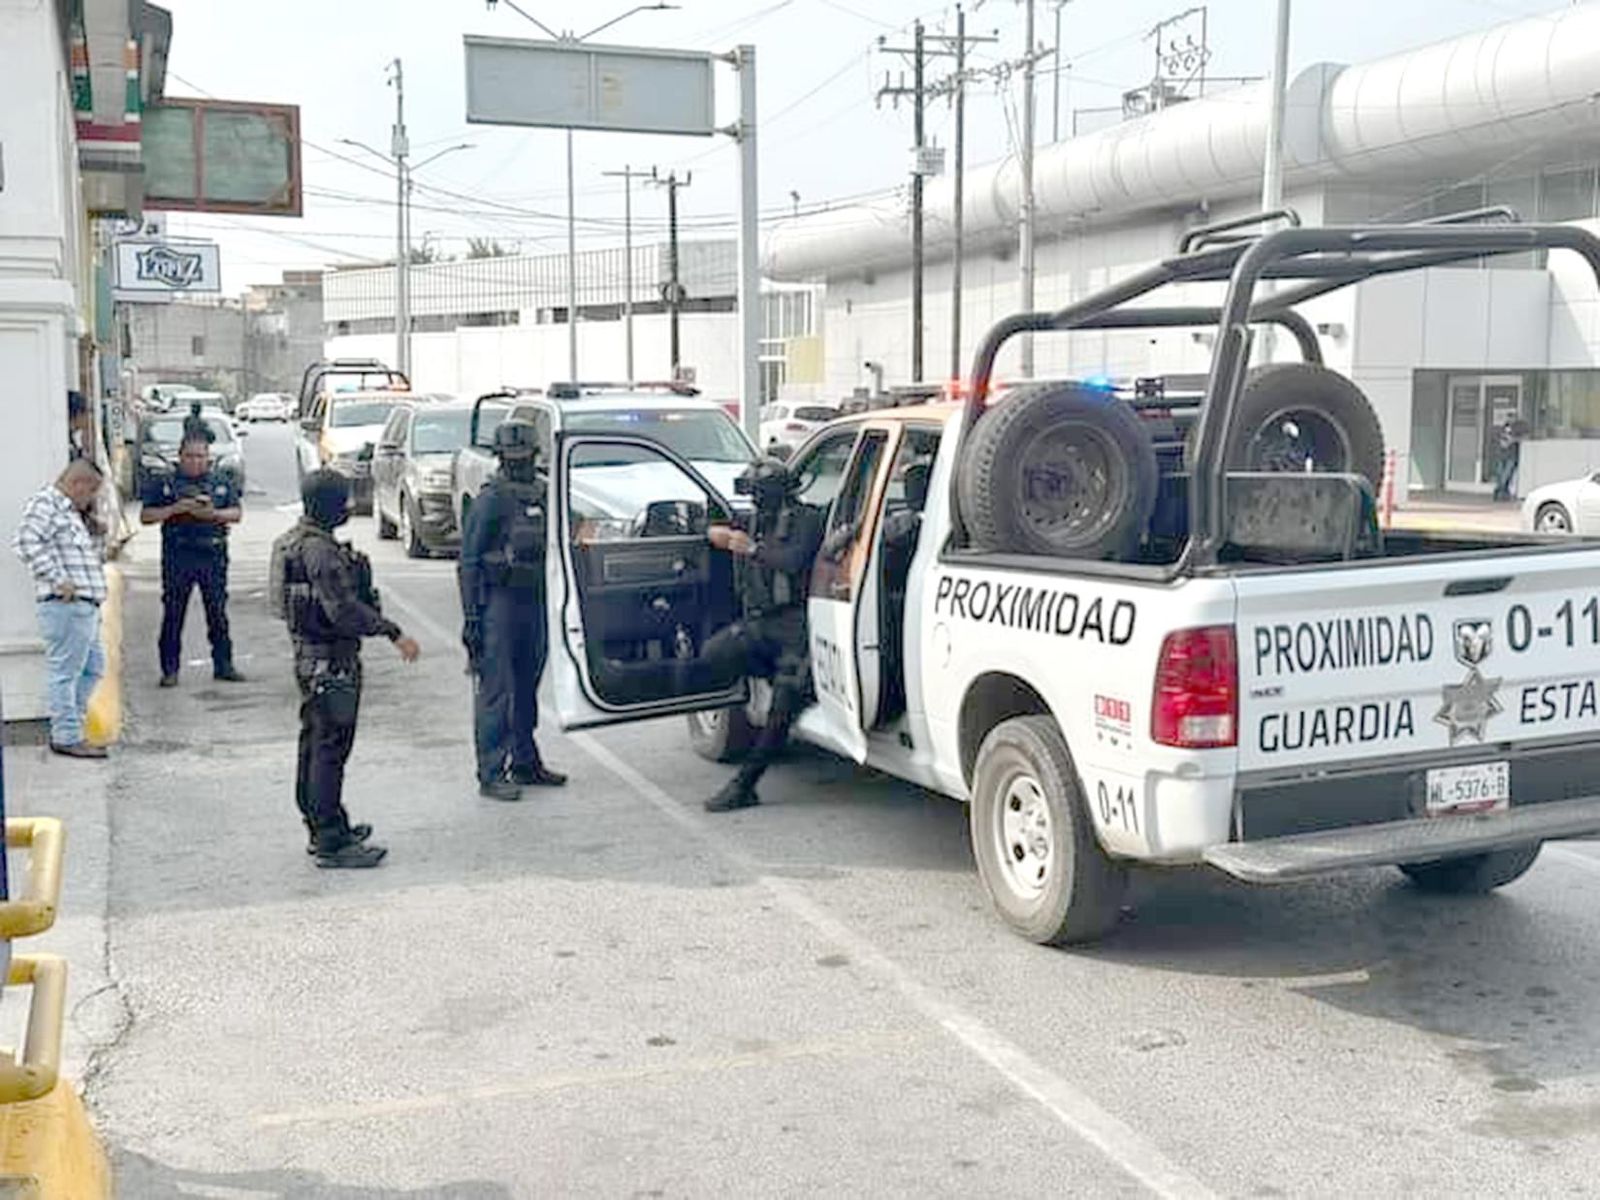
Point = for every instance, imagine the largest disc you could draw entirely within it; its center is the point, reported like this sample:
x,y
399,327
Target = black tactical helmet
x,y
326,497
516,440
768,480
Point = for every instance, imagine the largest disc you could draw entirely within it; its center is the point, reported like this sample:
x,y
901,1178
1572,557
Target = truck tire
x,y
722,735
1473,874
1303,417
1033,838
1059,470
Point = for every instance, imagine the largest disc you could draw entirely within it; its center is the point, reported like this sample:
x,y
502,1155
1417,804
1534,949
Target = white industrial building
x,y
1510,115
484,323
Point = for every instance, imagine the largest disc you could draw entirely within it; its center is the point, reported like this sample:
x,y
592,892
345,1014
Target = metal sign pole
x,y
749,246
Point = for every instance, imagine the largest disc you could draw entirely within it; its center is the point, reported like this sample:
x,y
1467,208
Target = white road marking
x,y
1123,1146
555,1081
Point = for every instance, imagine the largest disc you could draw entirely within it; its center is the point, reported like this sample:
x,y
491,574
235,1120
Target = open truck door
x,y
634,587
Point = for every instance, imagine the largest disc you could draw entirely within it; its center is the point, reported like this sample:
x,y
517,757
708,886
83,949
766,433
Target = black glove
x,y
472,639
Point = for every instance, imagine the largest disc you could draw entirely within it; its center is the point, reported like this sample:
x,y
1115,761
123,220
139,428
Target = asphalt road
x,y
604,991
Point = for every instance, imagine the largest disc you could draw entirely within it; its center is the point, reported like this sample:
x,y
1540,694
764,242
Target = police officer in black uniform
x,y
503,611
194,509
770,642
330,605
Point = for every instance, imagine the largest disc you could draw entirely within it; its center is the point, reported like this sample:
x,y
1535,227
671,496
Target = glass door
x,y
1466,436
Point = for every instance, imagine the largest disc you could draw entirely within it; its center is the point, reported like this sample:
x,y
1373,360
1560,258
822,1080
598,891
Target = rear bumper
x,y
1284,859
1286,829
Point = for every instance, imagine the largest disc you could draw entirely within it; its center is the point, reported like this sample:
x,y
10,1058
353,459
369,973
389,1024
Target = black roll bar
x,y
1322,260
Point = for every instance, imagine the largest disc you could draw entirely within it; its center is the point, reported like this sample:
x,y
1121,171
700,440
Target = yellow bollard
x,y
49,1150
103,724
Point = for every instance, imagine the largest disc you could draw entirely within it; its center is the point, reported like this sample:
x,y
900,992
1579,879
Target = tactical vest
x,y
518,561
763,589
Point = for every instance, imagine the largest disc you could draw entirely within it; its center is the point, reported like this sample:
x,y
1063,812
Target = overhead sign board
x,y
224,156
575,85
155,271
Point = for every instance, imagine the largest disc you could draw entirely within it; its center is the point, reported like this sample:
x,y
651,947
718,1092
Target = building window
x,y
1569,194
1569,406
197,346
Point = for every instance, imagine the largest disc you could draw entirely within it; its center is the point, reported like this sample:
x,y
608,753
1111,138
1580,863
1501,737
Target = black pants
x,y
773,648
181,572
330,702
505,709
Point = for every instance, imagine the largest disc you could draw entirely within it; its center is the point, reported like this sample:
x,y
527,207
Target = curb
x,y
103,723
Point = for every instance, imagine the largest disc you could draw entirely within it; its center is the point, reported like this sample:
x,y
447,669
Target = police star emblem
x,y
1470,704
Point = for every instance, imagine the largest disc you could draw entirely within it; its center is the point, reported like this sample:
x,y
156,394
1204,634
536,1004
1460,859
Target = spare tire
x,y
1058,469
1305,418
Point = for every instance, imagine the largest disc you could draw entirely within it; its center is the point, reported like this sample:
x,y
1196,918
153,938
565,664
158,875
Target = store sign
x,y
156,271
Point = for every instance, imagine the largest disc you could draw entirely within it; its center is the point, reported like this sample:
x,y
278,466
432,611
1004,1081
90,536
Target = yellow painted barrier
x,y
103,724
39,1069
45,840
49,1150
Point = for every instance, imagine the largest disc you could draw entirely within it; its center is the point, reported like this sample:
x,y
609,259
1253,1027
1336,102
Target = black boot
x,y
500,789
343,852
358,833
738,792
538,775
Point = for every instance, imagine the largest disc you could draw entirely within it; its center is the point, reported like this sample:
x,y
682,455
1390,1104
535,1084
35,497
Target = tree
x,y
488,248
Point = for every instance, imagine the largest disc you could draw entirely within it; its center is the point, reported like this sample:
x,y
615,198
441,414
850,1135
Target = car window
x,y
851,503
440,432
822,469
815,414
700,435
918,448
168,431
349,414
393,432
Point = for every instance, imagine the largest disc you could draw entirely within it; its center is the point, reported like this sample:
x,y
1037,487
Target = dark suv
x,y
413,474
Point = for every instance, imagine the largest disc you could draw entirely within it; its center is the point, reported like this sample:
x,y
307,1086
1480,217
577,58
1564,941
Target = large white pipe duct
x,y
1484,97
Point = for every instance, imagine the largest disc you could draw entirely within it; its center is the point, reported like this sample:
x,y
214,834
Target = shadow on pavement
x,y
141,1178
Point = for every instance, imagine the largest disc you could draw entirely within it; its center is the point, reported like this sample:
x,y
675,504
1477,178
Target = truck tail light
x,y
794,427
1196,703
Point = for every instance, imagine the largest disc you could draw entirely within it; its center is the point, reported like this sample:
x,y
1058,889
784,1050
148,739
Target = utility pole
x,y
1060,66
918,93
627,175
1272,173
672,291
750,310
956,85
399,148
1025,249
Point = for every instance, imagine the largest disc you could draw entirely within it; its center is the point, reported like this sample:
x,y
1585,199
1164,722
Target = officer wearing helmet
x,y
770,642
323,589
501,573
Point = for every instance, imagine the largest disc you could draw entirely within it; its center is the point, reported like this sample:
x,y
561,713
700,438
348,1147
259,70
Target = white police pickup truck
x,y
1247,673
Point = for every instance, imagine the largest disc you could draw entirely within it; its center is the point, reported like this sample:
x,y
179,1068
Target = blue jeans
x,y
75,661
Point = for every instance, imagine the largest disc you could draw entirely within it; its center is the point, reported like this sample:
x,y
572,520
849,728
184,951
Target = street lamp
x,y
572,230
402,258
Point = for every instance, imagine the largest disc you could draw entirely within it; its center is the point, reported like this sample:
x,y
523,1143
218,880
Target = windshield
x,y
348,414
489,418
815,414
440,432
696,434
168,432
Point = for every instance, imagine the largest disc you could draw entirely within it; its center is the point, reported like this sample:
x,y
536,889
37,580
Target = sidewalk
x,y
1442,513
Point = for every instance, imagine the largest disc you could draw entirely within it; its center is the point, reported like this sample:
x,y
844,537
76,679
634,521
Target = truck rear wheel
x,y
1057,469
1473,874
721,735
1305,418
1034,841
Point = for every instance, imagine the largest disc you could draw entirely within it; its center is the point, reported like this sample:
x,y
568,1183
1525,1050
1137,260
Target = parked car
x,y
413,475
786,424
1571,506
264,406
341,431
160,434
615,492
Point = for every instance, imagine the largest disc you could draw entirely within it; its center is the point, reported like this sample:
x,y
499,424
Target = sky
x,y
823,133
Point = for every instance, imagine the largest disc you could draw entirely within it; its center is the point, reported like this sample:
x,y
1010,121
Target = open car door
x,y
842,609
634,587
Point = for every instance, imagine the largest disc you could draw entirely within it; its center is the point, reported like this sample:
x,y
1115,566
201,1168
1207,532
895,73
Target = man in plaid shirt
x,y
61,543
